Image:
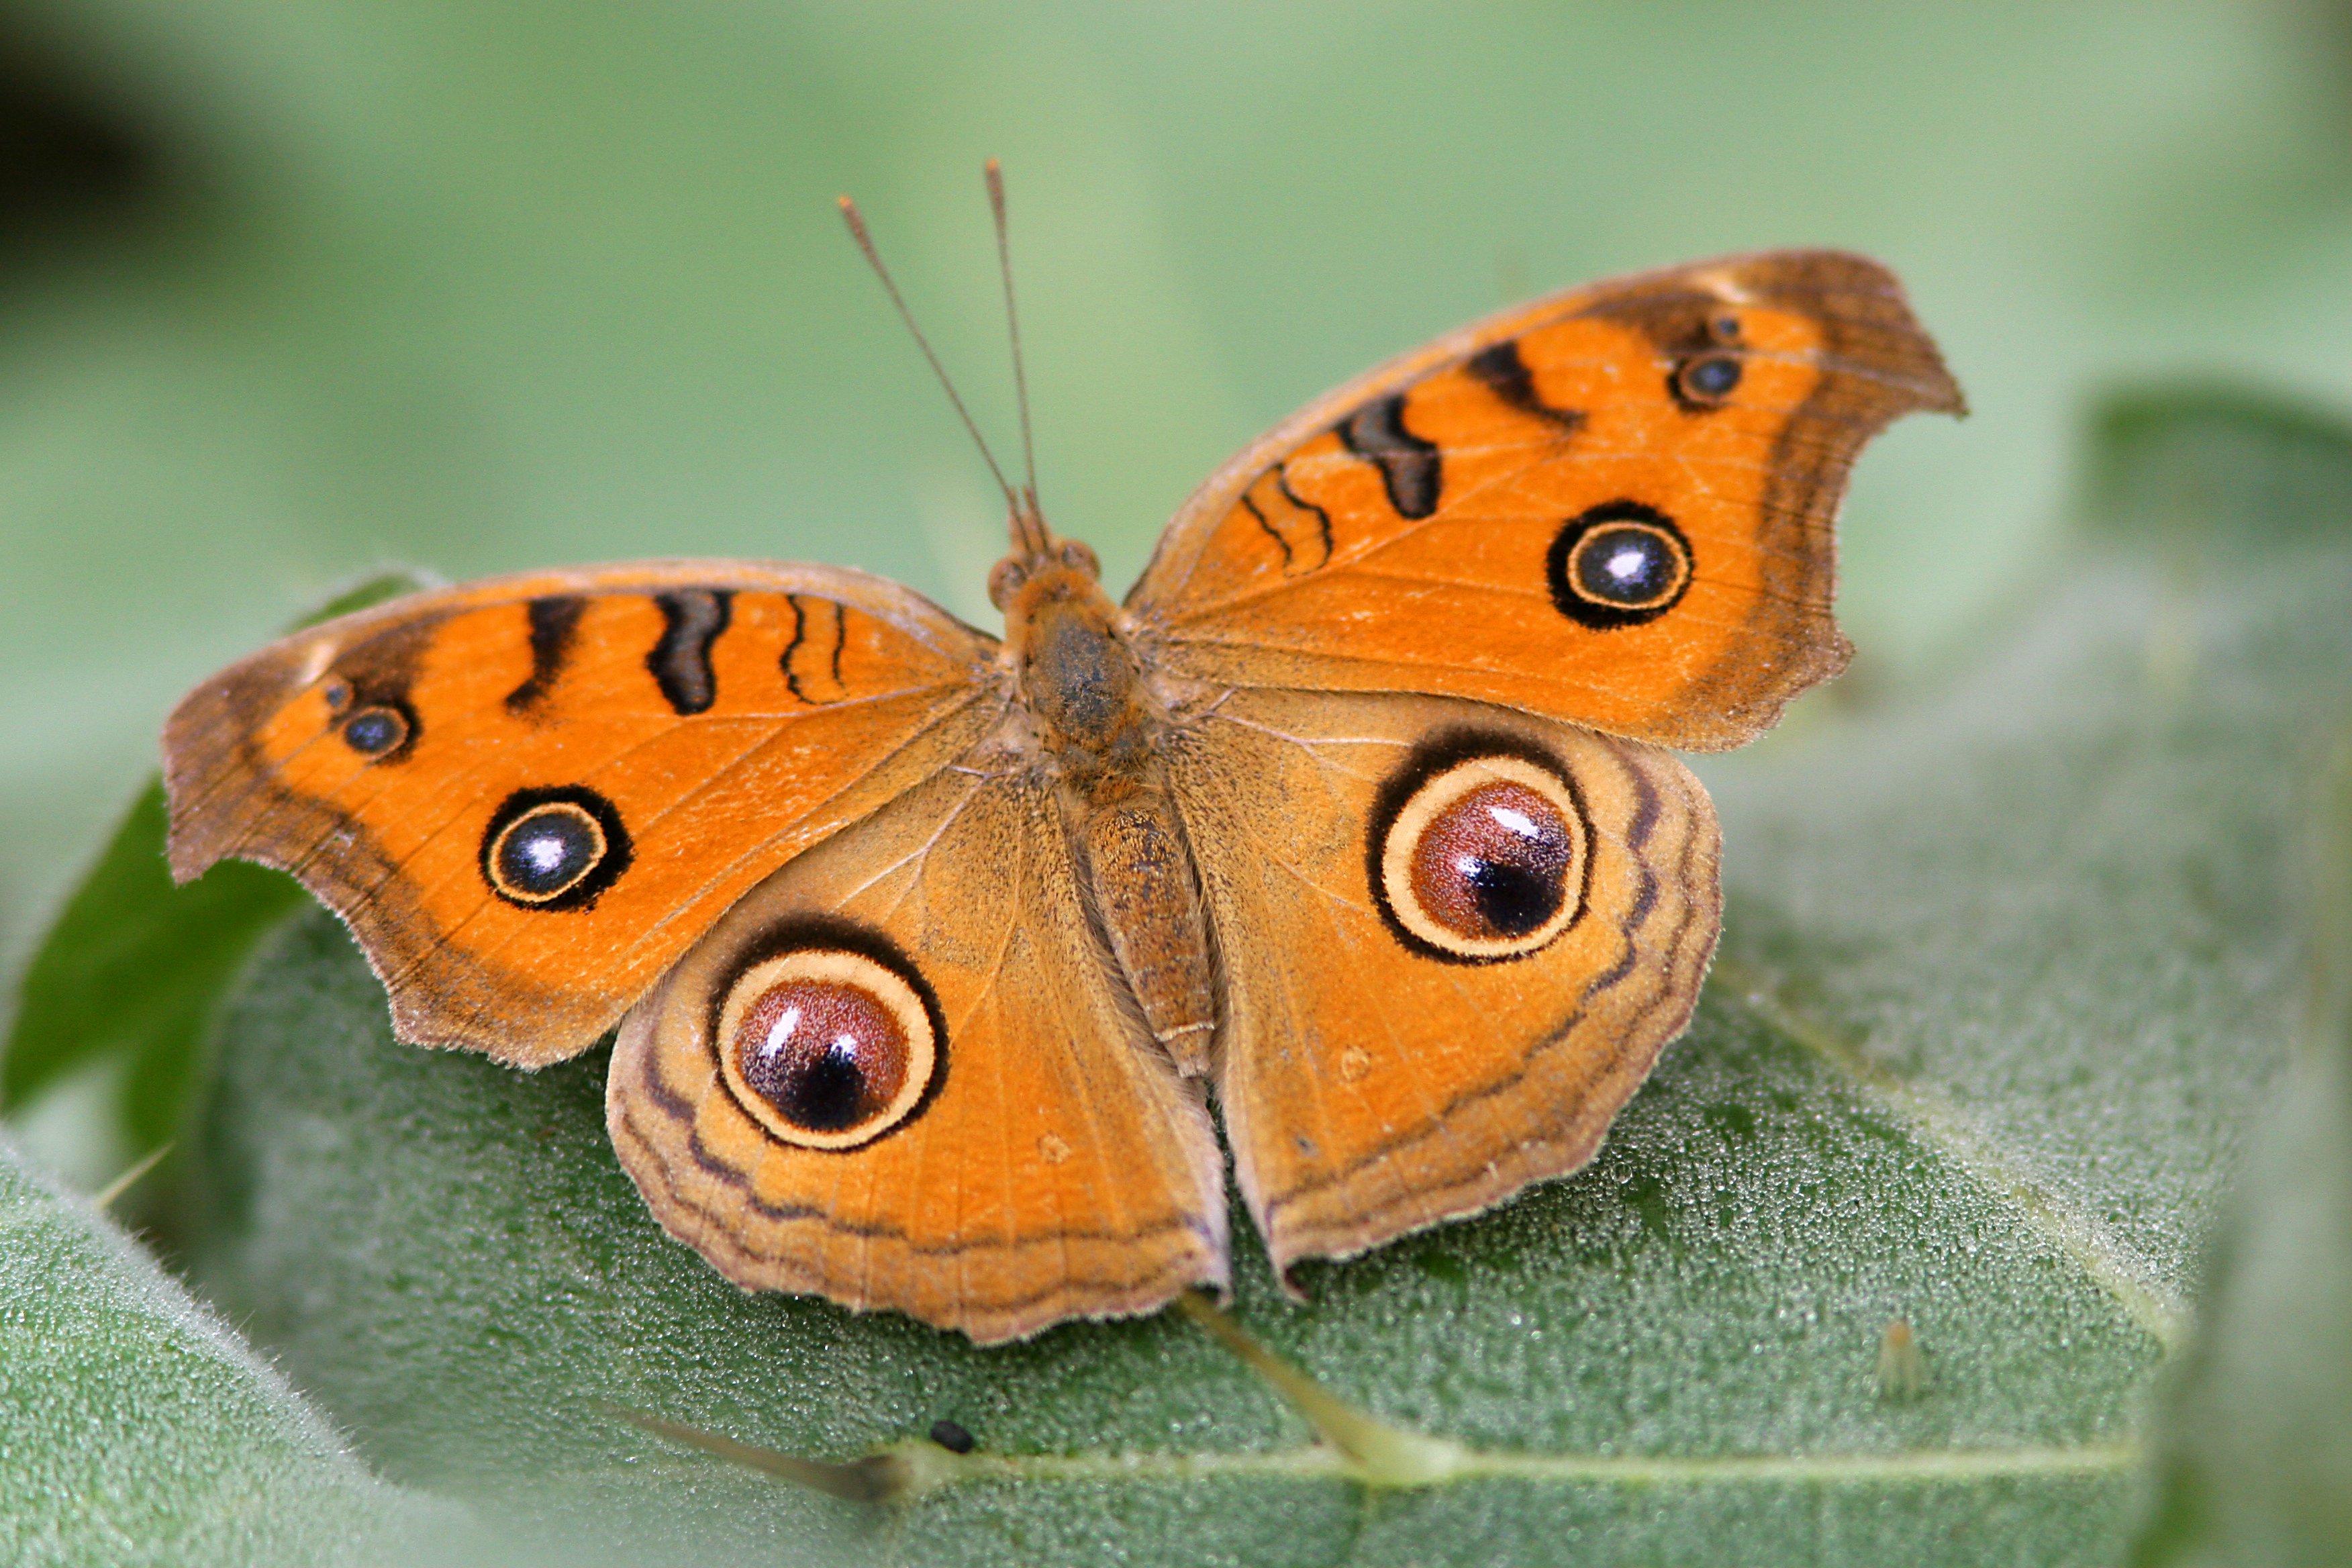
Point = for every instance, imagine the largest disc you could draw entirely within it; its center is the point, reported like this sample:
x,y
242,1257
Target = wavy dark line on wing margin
x,y
692,619
1271,531
789,662
1410,467
554,630
1506,375
730,1176
1644,820
1126,1285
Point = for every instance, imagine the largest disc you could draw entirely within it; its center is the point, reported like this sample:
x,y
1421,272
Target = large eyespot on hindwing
x,y
1618,564
827,1048
554,848
1480,852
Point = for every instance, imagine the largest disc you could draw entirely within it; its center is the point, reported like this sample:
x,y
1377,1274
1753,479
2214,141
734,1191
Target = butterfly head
x,y
1042,566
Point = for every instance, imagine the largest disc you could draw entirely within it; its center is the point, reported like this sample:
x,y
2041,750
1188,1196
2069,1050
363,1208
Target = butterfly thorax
x,y
1082,684
1100,732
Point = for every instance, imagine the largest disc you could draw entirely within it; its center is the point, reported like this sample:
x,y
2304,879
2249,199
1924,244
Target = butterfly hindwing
x,y
1014,1150
1454,938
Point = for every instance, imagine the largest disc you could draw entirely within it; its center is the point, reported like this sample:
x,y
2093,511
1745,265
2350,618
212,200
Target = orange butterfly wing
x,y
530,795
1371,1083
1044,1160
1450,523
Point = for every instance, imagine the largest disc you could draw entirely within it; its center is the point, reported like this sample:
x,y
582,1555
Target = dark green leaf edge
x,y
143,1427
132,966
2254,1447
2132,485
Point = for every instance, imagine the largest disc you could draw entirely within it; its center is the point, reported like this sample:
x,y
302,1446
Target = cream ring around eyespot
x,y
1671,551
1422,811
592,845
816,971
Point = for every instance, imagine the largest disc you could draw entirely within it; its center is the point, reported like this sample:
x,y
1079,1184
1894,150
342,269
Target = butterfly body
x,y
1101,736
929,949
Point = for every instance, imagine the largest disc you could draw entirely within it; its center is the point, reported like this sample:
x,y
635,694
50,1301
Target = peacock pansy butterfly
x,y
928,948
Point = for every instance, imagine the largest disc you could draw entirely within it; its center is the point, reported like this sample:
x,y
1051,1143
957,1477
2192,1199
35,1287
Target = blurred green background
x,y
292,291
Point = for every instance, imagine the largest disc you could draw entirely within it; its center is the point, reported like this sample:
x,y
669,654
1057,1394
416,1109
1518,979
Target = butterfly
x,y
929,950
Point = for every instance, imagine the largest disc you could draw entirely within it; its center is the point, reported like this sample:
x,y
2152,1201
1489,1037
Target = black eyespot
x,y
1618,564
554,848
1705,382
377,731
829,1091
548,850
1513,896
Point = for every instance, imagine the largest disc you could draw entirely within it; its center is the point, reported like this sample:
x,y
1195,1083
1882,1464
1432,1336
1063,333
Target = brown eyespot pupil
x,y
827,1056
1494,864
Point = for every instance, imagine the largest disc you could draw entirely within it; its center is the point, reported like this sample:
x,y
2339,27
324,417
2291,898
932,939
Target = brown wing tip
x,y
1876,335
184,854
211,778
199,769
224,804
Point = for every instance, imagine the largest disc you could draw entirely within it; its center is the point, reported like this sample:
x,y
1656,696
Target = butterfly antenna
x,y
856,222
1012,326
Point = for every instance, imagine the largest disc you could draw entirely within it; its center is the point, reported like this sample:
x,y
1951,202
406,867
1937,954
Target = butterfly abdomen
x,y
1144,893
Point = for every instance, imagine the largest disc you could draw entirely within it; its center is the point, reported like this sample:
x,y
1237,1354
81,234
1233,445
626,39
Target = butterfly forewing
x,y
1614,506
529,795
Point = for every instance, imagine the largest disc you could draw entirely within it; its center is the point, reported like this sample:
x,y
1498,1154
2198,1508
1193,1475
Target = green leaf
x,y
135,1428
132,966
2255,1462
2007,969
2213,457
